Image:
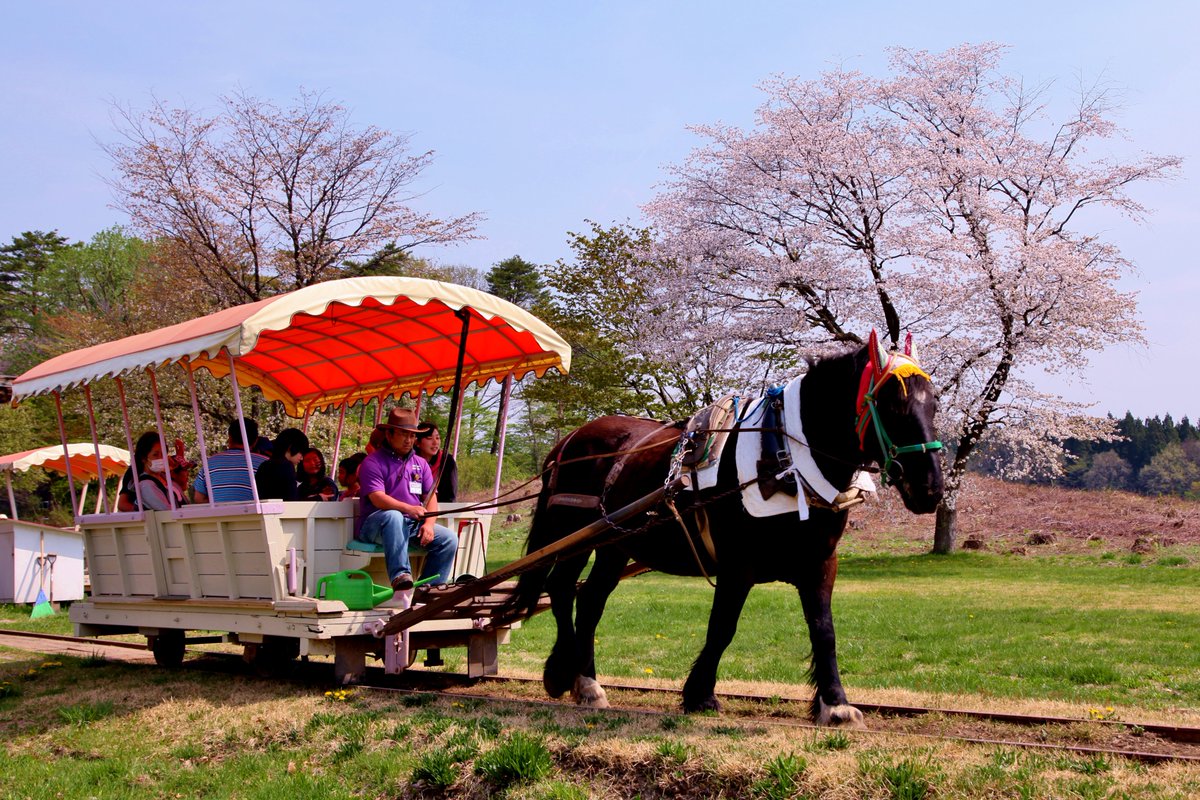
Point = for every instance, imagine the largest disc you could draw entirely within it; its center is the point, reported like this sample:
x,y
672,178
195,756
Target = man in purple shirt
x,y
396,491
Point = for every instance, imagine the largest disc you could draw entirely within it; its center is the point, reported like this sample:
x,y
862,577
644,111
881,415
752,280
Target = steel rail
x,y
1176,734
1135,755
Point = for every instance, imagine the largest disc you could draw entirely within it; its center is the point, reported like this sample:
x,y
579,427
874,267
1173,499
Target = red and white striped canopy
x,y
332,343
115,460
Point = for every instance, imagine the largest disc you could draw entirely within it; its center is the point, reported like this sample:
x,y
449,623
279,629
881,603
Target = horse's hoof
x,y
589,693
840,716
709,703
557,682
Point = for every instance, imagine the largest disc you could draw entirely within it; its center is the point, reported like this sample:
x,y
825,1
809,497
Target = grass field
x,y
1087,631
1075,634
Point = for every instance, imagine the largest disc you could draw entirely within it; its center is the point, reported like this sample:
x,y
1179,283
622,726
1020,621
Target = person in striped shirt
x,y
230,478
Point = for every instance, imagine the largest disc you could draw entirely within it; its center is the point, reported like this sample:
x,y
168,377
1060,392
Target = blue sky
x,y
544,115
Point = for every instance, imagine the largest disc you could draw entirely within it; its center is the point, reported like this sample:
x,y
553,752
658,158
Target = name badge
x,y
414,488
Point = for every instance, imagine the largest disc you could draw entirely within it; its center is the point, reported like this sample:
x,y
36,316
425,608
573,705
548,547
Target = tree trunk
x,y
946,529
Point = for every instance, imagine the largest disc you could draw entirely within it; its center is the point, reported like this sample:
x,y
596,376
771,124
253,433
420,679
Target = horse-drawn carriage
x,y
613,488
265,573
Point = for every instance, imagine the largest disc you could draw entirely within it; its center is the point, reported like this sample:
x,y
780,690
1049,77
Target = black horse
x,y
748,550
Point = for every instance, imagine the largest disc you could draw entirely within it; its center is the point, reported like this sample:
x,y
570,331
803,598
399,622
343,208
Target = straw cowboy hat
x,y
401,419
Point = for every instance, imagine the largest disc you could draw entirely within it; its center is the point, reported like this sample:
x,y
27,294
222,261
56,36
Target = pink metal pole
x,y
378,411
304,425
505,393
237,404
12,499
199,432
62,434
162,440
87,395
137,483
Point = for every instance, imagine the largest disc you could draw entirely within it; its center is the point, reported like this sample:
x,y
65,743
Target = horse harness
x,y
703,436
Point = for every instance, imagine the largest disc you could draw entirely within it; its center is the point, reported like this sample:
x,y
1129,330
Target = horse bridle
x,y
869,410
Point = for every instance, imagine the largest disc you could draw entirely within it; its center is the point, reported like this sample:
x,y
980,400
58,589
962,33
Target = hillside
x,y
1013,517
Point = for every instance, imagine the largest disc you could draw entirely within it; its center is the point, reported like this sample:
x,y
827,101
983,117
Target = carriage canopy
x,y
83,459
332,343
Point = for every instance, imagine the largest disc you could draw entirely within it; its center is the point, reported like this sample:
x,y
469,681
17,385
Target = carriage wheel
x,y
167,647
274,656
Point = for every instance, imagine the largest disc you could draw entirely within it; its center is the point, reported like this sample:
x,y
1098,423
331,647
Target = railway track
x,y
1140,741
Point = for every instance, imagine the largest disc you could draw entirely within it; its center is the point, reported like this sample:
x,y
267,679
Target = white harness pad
x,y
749,451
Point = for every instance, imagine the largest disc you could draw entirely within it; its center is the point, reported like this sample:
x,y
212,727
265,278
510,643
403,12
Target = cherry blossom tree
x,y
945,199
256,199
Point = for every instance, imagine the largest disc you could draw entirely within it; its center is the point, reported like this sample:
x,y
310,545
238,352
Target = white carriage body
x,y
252,573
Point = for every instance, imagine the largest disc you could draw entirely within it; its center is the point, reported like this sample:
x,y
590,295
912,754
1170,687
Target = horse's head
x,y
896,407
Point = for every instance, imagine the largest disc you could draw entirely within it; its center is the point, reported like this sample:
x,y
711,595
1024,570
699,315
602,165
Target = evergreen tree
x,y
25,266
517,281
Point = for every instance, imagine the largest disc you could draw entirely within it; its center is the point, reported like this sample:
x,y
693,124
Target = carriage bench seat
x,y
358,555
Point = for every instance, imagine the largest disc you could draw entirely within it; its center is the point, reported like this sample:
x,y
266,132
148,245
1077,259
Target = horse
x,y
619,459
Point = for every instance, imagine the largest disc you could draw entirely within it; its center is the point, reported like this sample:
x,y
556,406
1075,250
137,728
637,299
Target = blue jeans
x,y
393,530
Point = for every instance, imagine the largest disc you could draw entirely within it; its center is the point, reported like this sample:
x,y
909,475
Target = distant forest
x,y
1155,456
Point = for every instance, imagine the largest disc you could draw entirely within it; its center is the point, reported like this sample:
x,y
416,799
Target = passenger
x,y
445,470
396,491
348,475
262,446
315,484
152,477
230,478
181,468
276,477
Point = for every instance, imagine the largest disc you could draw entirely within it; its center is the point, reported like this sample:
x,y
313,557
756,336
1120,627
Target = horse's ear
x,y
910,348
876,354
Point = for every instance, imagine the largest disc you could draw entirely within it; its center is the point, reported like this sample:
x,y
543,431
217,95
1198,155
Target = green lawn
x,y
1091,631
1086,630
1082,630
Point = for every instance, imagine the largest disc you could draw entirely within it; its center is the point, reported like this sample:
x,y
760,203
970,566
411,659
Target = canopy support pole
x,y
168,482
62,433
337,442
307,415
208,484
133,465
505,394
378,410
101,493
12,499
420,397
82,500
456,392
237,404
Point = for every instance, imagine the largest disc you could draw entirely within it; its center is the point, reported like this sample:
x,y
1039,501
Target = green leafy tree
x,y
1108,471
1169,472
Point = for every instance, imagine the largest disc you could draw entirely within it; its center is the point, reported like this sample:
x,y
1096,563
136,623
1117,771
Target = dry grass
x,y
1005,515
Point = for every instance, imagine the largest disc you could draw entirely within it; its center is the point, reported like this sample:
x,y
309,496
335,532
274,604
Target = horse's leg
x,y
563,665
829,706
589,606
728,599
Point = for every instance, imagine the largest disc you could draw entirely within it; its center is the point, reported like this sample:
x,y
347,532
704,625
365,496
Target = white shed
x,y
43,558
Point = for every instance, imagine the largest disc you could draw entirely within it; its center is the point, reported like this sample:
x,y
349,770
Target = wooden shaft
x,y
586,538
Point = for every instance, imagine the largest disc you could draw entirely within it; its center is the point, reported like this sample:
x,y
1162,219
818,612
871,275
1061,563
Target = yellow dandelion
x,y
648,670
